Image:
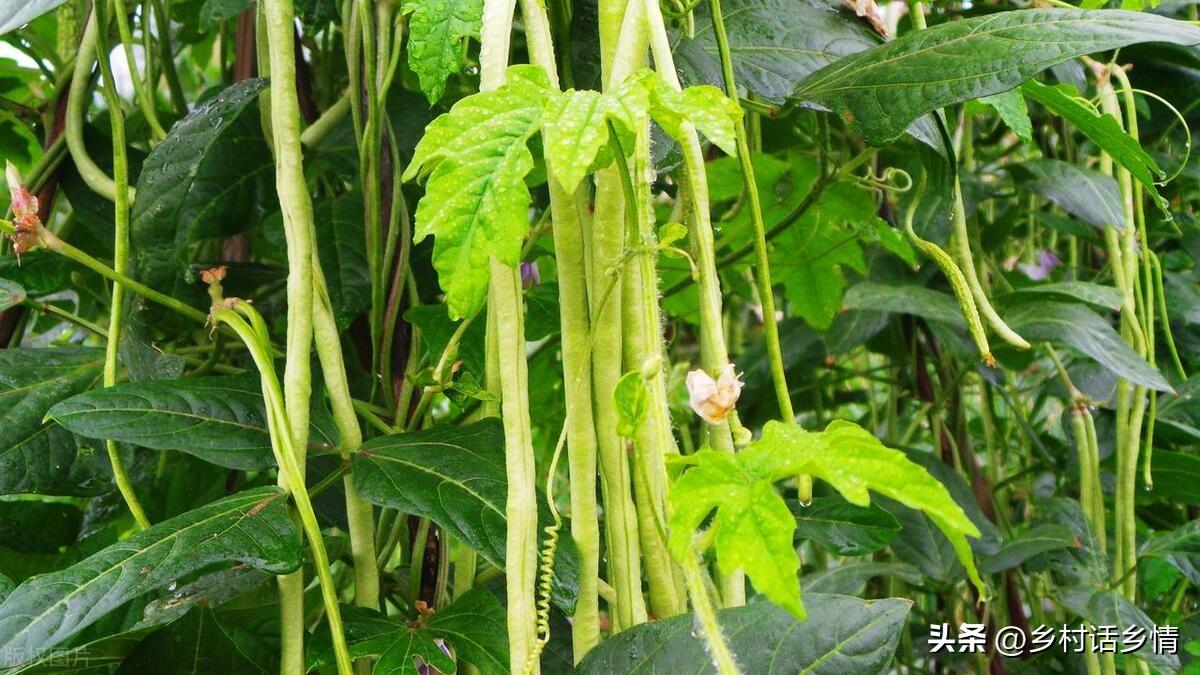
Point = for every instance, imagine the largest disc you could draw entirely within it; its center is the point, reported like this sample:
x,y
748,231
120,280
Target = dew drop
x,y
172,586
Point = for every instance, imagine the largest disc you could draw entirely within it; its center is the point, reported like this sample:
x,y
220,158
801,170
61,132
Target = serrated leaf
x,y
42,457
883,89
845,528
203,181
1104,130
752,524
455,477
218,419
1082,192
777,43
842,635
1076,326
574,129
251,527
476,201
436,31
705,106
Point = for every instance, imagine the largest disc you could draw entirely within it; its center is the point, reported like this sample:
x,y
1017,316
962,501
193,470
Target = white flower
x,y
713,399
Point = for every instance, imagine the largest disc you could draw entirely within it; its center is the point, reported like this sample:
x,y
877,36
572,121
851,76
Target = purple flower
x,y
529,274
1047,261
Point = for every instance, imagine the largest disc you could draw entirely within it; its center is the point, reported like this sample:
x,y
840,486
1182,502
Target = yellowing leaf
x,y
753,525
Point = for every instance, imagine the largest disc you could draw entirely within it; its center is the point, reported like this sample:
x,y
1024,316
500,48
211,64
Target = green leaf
x,y
1081,192
201,642
1176,475
1014,112
436,32
776,44
811,254
17,13
849,578
845,528
880,91
341,245
213,12
1032,542
221,420
203,181
842,635
1073,325
752,523
11,294
473,625
251,527
39,527
455,477
1104,130
631,400
574,129
42,457
706,107
1108,608
905,299
476,202
1099,295
1183,539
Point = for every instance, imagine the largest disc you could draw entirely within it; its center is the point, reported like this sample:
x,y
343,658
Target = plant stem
x,y
706,616
141,93
81,81
120,255
713,353
762,266
291,478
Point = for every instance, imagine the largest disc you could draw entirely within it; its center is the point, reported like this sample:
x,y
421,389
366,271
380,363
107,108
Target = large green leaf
x,y
1073,325
1099,295
1032,542
842,635
199,643
218,419
436,32
17,13
1109,608
342,246
476,202
880,91
1183,539
473,626
752,523
251,527
455,477
775,44
905,299
203,181
1104,130
1087,194
38,456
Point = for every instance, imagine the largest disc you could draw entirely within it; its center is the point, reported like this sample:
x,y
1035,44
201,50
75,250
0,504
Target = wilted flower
x,y
25,212
713,399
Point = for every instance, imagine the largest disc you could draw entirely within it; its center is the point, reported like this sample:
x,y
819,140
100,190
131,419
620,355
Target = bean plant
x,y
599,336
